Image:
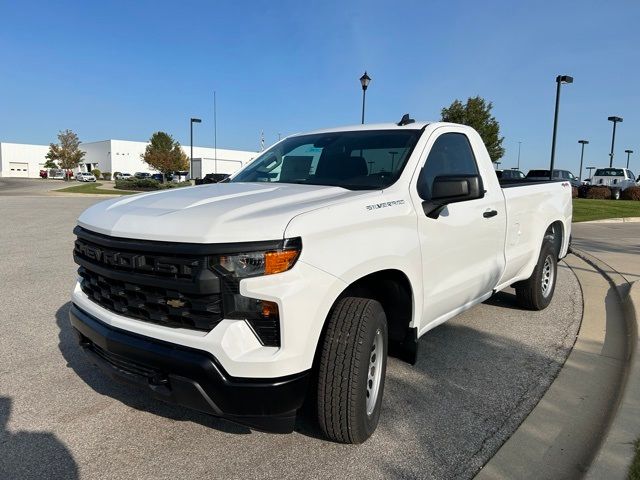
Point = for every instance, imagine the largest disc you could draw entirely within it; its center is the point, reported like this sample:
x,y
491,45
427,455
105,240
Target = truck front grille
x,y
152,304
166,283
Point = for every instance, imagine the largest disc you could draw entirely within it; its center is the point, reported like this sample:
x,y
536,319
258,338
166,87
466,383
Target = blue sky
x,y
126,69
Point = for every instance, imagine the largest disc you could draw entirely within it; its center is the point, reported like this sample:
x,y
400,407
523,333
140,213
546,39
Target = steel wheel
x,y
548,275
374,373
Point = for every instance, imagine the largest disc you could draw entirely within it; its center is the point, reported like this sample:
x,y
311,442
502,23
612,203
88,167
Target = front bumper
x,y
190,377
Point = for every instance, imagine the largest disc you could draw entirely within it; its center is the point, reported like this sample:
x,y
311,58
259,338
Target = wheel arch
x,y
393,289
555,233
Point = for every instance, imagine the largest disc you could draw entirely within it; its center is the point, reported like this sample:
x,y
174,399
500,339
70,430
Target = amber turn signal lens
x,y
279,261
269,309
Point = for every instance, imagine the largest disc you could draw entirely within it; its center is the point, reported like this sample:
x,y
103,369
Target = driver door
x,y
463,248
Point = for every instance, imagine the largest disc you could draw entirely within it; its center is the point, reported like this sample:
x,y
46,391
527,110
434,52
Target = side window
x,y
451,154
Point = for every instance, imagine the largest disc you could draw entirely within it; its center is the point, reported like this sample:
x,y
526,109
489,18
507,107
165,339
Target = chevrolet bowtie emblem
x,y
175,303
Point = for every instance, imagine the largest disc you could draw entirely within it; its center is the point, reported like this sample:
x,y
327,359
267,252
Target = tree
x,y
49,164
476,113
165,154
67,152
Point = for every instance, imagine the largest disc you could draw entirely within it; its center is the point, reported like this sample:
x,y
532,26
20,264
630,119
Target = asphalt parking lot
x,y
477,378
31,186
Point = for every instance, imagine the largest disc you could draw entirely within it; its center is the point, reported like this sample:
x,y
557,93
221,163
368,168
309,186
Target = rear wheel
x,y
615,194
352,370
536,292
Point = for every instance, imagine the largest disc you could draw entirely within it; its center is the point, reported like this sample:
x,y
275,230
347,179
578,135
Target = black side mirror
x,y
451,189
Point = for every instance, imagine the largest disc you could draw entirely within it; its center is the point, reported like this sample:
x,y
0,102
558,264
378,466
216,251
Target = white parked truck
x,y
617,179
297,277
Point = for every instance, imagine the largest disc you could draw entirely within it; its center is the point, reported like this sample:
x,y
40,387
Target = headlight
x,y
243,265
261,315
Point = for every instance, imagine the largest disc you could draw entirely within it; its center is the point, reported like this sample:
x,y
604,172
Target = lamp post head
x,y
364,81
584,142
628,151
196,120
615,119
564,79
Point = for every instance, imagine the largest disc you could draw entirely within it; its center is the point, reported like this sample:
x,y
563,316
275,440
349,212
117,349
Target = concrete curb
x,y
72,194
564,432
616,453
616,220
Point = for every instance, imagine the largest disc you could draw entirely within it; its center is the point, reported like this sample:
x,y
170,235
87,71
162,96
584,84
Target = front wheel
x,y
352,370
536,292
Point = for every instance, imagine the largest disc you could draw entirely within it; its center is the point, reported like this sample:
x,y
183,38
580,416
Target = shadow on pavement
x,y
32,454
134,398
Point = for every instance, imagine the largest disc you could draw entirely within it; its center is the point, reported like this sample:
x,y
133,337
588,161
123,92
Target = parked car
x,y
123,176
142,175
310,268
538,175
85,177
56,174
180,176
510,174
212,178
617,179
43,174
159,178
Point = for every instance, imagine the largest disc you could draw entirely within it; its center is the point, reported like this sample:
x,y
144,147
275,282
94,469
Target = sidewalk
x,y
616,244
586,423
616,250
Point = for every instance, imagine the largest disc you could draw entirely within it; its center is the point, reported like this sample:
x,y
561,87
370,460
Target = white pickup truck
x,y
617,179
297,277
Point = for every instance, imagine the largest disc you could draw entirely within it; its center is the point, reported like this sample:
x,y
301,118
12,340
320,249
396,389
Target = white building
x,y
22,160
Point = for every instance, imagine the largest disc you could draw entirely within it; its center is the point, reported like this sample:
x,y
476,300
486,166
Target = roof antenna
x,y
406,120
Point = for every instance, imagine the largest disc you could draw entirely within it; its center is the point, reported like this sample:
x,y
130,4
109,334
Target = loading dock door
x,y
18,169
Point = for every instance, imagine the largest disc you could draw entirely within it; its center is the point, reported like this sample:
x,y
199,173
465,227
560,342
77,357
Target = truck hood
x,y
216,213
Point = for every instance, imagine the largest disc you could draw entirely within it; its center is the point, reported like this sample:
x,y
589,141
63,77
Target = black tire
x,y
343,383
530,293
615,194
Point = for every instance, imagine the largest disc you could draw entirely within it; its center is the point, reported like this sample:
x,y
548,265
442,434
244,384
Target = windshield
x,y
609,172
360,160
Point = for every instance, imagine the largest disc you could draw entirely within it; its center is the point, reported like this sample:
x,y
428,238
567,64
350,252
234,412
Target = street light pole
x,y
583,142
191,122
560,79
364,81
519,143
615,120
628,152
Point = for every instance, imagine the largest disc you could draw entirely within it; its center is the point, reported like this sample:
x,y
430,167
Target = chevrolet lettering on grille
x,y
131,260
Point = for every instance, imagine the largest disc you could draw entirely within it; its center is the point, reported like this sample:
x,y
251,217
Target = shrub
x,y
96,172
115,174
147,184
582,191
599,193
574,192
106,175
142,184
186,183
631,193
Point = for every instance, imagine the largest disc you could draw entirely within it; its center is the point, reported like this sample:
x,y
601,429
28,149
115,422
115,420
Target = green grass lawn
x,y
586,209
634,470
93,188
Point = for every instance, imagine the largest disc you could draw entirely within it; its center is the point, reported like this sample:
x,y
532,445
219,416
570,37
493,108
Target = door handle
x,y
490,213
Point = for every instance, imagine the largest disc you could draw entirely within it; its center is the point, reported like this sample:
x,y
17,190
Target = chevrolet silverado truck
x,y
298,276
617,179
